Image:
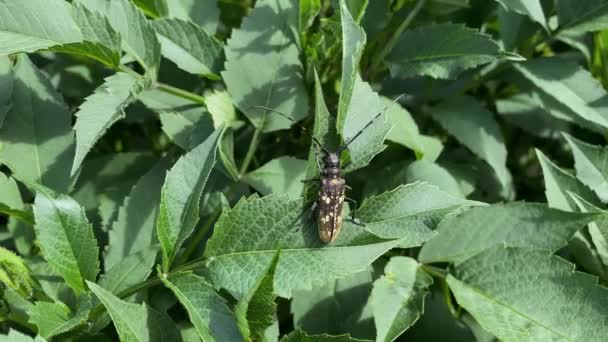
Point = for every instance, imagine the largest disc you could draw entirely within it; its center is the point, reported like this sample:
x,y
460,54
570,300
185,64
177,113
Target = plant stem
x,y
388,47
166,87
253,146
181,93
435,271
196,240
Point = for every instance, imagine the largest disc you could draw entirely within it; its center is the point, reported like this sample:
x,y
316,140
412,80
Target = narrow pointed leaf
x,y
569,84
362,110
101,110
353,43
591,164
397,298
490,287
37,139
42,30
558,184
440,51
529,225
56,318
531,8
577,16
132,270
180,197
207,310
135,322
138,36
100,41
6,87
410,211
268,74
189,46
66,238
474,126
133,230
256,310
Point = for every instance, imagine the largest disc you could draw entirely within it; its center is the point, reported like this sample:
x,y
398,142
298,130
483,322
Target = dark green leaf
x,y
180,196
37,138
490,287
208,311
397,298
189,46
66,238
269,73
440,51
136,322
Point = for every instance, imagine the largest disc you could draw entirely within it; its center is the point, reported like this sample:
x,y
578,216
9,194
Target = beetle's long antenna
x,y
345,146
315,140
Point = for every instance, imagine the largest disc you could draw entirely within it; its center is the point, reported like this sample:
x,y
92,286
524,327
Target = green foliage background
x,y
144,196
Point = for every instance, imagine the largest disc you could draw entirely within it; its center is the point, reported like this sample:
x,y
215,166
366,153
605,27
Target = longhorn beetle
x,y
333,186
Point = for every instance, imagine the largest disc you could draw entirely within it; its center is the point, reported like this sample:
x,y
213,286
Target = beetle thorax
x,y
331,167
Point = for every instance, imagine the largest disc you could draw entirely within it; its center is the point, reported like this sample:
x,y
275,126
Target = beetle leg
x,y
353,212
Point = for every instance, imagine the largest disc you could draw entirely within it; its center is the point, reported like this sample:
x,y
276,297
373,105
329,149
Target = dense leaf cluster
x,y
146,194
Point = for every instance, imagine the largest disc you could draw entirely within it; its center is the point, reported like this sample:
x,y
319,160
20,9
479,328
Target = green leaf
x,y
339,306
16,336
36,138
362,110
100,41
66,238
268,74
101,110
130,271
598,231
309,10
42,31
531,8
440,51
189,46
56,318
11,202
490,287
301,336
180,197
14,274
237,250
405,130
474,126
353,43
357,8
136,322
518,224
207,310
576,16
138,36
526,111
591,165
6,87
133,230
397,298
219,105
559,183
256,310
426,171
179,117
204,13
569,84
154,8
409,211
282,175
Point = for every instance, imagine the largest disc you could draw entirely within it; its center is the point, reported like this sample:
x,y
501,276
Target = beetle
x,y
332,184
